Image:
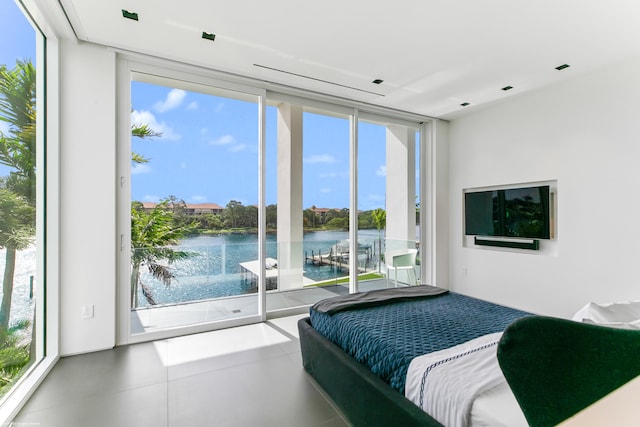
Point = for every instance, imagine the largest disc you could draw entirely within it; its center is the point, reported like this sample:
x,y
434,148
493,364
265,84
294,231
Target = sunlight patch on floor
x,y
192,348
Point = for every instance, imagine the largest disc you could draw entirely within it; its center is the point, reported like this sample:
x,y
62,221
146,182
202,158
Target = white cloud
x,y
223,140
320,158
183,165
173,100
141,168
198,199
192,106
218,107
150,198
325,190
4,127
145,117
237,147
382,170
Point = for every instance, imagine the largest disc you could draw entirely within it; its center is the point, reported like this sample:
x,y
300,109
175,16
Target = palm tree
x,y
14,355
17,151
142,131
17,219
379,217
152,234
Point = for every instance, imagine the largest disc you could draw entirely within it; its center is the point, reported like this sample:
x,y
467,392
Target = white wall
x,y
586,135
87,192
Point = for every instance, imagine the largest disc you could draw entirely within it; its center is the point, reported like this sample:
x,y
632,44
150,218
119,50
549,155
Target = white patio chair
x,y
401,259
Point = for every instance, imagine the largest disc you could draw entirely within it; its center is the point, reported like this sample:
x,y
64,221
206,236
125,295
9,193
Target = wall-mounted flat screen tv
x,y
513,212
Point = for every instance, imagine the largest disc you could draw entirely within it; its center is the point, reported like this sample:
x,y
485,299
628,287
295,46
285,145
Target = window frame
x,y
47,211
131,68
156,70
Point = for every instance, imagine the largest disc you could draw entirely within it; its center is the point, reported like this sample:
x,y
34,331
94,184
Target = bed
x,y
359,347
553,367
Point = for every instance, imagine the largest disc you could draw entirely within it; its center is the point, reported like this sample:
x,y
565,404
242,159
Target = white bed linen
x,y
497,408
463,385
623,315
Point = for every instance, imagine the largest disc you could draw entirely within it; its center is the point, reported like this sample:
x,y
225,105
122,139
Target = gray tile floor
x,y
246,376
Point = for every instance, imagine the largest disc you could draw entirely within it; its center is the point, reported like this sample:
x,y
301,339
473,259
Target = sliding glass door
x,y
243,204
194,189
388,201
308,148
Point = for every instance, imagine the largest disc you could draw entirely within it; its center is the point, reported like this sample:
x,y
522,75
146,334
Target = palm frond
x,y
146,292
161,272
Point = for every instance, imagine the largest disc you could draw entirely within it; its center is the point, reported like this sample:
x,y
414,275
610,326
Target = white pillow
x,y
623,315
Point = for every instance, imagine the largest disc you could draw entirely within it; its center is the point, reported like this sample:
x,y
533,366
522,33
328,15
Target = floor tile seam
x,y
235,365
57,405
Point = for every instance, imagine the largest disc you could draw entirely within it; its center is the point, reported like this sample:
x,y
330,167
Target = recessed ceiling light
x,y
507,88
208,36
464,104
129,15
377,81
562,67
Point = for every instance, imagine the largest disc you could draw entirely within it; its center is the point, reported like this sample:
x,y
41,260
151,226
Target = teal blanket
x,y
385,338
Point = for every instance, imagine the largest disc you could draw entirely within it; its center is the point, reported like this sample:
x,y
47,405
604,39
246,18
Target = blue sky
x,y
17,39
17,36
208,152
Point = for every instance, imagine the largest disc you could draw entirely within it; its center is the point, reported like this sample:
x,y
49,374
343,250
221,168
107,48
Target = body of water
x,y
22,301
213,268
212,271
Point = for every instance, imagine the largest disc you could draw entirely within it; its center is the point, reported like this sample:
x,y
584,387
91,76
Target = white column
x,y
401,191
290,252
401,185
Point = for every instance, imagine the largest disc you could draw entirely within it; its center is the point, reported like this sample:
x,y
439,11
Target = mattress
x,y
386,338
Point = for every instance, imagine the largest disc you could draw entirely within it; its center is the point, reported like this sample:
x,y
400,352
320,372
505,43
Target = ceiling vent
x,y
464,104
506,88
316,79
562,67
377,81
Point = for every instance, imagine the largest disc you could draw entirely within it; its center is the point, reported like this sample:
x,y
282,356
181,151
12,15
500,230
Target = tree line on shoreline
x,y
236,217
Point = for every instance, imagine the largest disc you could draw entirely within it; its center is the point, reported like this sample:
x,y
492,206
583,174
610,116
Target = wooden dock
x,y
338,261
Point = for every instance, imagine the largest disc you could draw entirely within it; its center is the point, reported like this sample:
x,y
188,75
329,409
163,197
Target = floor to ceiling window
x,y
21,196
242,202
194,204
309,149
372,193
388,188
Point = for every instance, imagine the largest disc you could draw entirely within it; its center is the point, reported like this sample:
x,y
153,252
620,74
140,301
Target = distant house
x,y
203,208
147,206
322,212
194,209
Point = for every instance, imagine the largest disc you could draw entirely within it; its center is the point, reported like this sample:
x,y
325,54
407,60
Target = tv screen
x,y
514,212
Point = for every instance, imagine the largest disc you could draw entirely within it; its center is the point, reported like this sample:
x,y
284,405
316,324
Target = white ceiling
x,y
433,55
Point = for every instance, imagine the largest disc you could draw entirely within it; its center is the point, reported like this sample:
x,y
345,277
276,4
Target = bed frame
x,y
362,397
